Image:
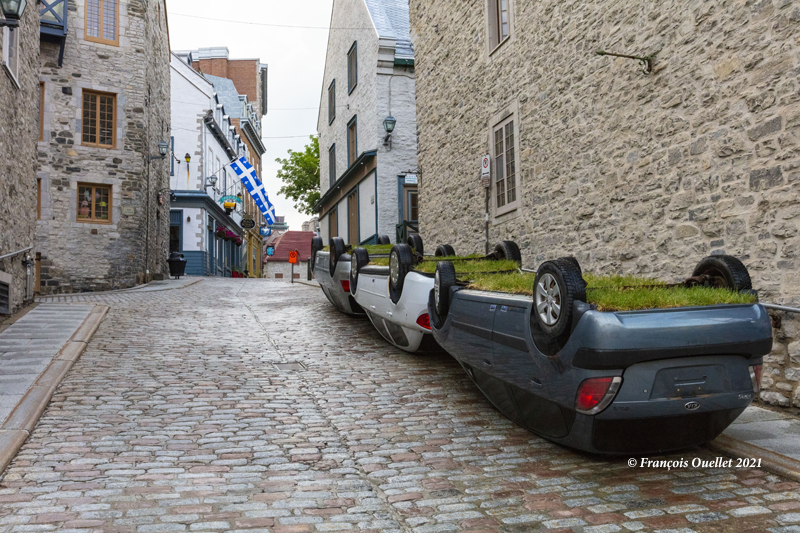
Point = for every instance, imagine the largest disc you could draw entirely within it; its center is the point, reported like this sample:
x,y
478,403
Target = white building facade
x,y
368,179
203,143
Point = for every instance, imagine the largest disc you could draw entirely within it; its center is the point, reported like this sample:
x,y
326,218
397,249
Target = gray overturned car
x,y
607,382
332,271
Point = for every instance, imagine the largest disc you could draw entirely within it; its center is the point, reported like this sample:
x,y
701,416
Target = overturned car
x,y
608,364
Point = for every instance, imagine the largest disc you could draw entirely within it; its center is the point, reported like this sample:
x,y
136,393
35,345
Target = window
x,y
11,52
38,198
41,110
505,167
99,119
94,203
352,68
352,141
102,20
499,26
332,102
333,223
332,164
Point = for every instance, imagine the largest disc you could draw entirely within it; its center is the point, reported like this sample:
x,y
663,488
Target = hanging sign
x,y
270,251
412,179
486,171
265,232
248,223
229,199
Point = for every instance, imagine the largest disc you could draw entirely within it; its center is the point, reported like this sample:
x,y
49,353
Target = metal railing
x,y
28,249
405,229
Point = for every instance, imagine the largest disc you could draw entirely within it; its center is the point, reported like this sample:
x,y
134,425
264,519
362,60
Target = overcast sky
x,y
296,59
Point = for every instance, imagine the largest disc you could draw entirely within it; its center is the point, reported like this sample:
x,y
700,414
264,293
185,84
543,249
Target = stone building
x,y
106,108
629,171
241,85
19,129
277,266
368,178
200,180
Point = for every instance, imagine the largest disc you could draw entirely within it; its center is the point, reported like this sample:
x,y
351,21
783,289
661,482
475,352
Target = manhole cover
x,y
290,366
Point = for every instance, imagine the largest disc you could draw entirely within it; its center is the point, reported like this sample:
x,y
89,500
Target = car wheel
x,y
316,246
358,259
725,271
401,261
444,278
384,239
415,241
558,284
508,250
444,250
337,249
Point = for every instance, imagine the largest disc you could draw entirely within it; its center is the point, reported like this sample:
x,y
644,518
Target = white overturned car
x,y
332,271
395,297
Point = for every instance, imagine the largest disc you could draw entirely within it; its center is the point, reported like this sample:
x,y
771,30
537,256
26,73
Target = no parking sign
x,y
486,171
293,258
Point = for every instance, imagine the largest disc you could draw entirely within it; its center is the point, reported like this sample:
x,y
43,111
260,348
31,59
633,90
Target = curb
x,y
307,283
46,299
23,419
771,461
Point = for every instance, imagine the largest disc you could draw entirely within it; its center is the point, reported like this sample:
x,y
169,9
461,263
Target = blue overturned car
x,y
561,362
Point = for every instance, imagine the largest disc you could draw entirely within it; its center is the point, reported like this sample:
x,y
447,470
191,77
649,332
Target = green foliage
x,y
300,173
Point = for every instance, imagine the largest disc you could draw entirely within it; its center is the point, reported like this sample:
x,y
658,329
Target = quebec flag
x,y
247,174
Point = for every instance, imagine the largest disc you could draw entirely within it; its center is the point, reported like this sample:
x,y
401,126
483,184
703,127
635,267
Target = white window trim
x,y
6,51
513,209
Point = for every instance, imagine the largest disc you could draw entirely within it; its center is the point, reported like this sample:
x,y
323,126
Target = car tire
x,y
557,286
337,249
415,241
384,239
401,261
359,258
508,250
316,246
444,279
444,250
727,271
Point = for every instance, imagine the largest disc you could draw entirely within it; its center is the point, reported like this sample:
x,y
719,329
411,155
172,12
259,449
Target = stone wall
x,y
629,172
79,256
284,269
19,129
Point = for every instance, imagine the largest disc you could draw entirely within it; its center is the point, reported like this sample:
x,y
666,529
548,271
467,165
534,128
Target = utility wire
x,y
266,24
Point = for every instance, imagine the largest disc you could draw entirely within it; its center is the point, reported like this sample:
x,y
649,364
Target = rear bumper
x,y
332,286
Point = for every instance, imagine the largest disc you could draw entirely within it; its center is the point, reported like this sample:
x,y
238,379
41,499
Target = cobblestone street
x,y
254,405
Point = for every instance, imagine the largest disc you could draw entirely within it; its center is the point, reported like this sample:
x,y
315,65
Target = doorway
x,y
175,231
352,218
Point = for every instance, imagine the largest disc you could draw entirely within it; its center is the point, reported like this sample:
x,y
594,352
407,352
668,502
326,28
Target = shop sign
x,y
248,223
229,199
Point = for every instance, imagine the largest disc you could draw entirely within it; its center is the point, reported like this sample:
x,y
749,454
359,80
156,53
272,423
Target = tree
x,y
300,173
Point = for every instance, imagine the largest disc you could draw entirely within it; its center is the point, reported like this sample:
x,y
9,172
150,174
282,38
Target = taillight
x,y
595,394
424,321
346,285
755,377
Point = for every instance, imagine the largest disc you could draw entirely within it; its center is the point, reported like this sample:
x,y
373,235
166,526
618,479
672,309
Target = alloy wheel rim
x,y
548,299
394,268
436,289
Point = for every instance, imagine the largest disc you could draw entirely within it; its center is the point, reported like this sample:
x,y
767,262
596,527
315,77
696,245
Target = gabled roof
x,y
391,20
293,240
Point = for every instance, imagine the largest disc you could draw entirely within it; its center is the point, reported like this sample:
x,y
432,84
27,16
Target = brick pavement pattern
x,y
250,405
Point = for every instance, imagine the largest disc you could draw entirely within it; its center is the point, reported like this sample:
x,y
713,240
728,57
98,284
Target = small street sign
x,y
486,171
270,251
293,258
412,179
248,223
265,232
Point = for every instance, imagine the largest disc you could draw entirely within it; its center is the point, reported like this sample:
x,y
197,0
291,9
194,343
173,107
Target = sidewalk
x,y
153,286
36,352
767,435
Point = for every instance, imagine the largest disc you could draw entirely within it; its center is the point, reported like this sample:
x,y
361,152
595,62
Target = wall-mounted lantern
x,y
12,11
163,147
388,124
188,158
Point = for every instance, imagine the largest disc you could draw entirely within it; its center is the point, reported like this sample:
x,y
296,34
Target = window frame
x,y
41,110
332,164
501,125
8,47
352,74
98,94
332,102
333,222
92,219
101,24
38,198
352,154
494,25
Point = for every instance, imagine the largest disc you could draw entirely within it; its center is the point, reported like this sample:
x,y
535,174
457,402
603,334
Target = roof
x,y
391,20
291,241
227,94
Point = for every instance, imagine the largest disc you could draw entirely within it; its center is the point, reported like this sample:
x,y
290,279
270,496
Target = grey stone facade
x,y
630,172
19,112
132,248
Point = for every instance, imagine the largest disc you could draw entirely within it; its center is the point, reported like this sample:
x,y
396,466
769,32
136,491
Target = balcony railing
x,y
53,15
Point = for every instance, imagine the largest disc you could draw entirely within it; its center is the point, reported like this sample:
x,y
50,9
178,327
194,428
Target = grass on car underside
x,y
619,293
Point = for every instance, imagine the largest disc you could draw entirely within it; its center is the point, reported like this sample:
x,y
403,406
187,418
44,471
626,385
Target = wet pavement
x,y
253,405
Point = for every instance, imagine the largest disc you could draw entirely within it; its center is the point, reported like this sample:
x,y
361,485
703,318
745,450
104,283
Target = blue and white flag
x,y
247,174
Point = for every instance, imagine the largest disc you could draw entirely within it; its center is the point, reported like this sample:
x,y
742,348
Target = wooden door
x,y
352,218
